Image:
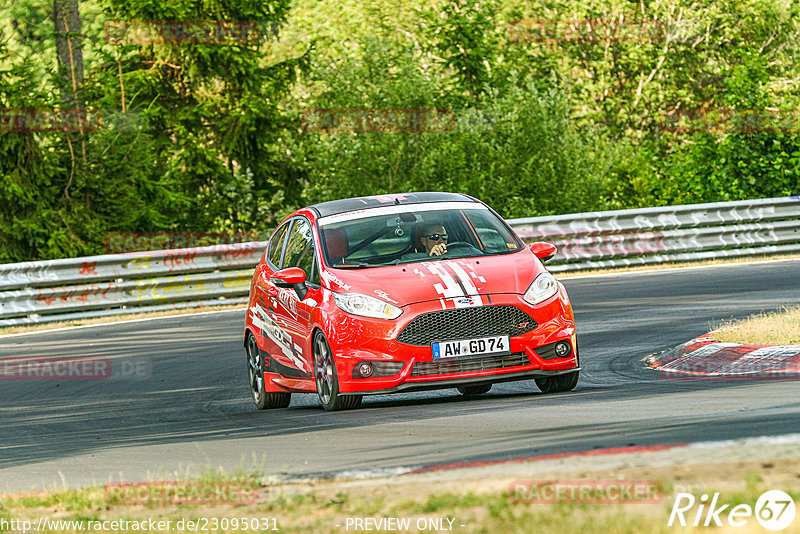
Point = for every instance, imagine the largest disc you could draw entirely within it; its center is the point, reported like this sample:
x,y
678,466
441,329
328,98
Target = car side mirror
x,y
291,277
542,250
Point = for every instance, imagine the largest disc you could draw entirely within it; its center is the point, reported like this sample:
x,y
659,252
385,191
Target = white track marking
x,y
670,270
126,321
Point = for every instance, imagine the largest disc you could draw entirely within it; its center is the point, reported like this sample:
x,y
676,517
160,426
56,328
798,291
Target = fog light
x,y
364,369
562,349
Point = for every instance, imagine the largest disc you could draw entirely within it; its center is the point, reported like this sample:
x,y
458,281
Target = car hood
x,y
448,279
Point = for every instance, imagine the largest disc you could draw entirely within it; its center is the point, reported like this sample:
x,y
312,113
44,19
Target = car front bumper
x,y
417,370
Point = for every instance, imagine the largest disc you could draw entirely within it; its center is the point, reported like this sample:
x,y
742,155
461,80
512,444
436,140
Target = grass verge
x,y
439,503
774,328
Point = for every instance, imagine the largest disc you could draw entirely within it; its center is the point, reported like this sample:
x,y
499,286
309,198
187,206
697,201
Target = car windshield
x,y
405,234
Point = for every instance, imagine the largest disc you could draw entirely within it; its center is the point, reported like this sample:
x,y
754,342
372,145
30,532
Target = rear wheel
x,y
477,389
558,384
263,399
328,380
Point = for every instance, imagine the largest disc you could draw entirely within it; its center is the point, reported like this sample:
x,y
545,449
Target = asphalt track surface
x,y
194,411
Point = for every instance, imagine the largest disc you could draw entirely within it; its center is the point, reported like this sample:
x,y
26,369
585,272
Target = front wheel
x,y
255,366
328,380
558,384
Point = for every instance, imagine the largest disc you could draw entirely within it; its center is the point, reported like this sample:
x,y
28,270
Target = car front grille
x,y
468,365
466,323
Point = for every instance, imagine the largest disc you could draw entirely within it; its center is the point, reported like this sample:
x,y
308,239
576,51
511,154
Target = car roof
x,y
335,207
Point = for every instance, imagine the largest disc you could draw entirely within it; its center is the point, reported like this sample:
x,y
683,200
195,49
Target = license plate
x,y
470,347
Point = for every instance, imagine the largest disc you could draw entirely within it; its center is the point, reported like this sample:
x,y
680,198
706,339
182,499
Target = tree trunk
x,y
69,47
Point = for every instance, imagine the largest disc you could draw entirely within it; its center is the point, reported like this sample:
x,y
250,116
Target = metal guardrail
x,y
118,284
650,236
82,288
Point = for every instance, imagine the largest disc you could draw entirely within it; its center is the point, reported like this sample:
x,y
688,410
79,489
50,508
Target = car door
x,y
292,310
263,305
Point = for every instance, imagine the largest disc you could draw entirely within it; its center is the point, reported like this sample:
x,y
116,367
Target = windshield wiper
x,y
359,265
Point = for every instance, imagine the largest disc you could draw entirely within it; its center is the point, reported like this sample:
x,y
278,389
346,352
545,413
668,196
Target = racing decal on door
x,y
288,298
456,289
278,335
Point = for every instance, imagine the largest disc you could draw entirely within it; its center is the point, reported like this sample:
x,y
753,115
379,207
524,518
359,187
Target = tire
x,y
263,399
327,379
477,389
558,384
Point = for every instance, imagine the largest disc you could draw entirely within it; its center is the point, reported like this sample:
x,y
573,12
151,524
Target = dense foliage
x,y
535,107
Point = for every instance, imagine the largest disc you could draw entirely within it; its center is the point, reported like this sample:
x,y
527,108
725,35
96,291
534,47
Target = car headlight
x,y
367,306
544,287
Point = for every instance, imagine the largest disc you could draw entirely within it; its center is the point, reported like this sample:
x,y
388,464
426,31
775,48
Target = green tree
x,y
744,151
517,150
213,111
190,137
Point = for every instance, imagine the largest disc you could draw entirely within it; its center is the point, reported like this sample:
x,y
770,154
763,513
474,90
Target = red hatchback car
x,y
408,292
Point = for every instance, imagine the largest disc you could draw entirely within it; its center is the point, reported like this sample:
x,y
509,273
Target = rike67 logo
x,y
774,510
